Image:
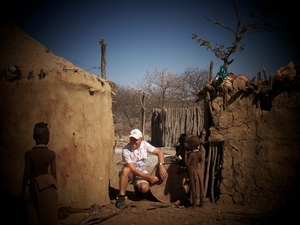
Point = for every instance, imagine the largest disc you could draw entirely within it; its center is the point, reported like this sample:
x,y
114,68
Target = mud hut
x,y
38,86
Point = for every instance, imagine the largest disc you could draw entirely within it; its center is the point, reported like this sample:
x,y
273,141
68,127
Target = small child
x,y
180,149
193,157
43,183
179,155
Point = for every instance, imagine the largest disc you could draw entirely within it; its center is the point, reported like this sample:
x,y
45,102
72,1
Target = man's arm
x,y
161,160
160,155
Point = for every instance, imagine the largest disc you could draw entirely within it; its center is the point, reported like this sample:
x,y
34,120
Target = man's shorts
x,y
136,180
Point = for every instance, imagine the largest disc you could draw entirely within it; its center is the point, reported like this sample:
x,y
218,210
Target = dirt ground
x,y
148,210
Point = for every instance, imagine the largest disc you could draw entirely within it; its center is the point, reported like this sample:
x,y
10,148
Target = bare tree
x,y
193,79
238,33
134,107
160,85
127,108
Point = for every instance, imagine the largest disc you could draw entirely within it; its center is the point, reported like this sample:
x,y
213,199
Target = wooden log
x,y
94,219
212,174
207,170
166,127
271,79
211,70
214,158
218,161
163,134
103,58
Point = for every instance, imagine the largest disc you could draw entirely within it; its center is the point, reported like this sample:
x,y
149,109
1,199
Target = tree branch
x,y
219,23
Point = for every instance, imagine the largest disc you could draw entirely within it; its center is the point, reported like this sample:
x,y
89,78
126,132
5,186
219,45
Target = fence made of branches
x,y
167,124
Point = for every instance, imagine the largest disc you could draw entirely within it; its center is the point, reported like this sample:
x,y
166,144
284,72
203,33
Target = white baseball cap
x,y
136,133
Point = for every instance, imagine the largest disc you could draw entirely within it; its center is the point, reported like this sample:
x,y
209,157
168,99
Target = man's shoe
x,y
120,202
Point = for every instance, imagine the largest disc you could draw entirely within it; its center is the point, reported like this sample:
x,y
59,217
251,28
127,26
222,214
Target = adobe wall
x,y
77,108
261,164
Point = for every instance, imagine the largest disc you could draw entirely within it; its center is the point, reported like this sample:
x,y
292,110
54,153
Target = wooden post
x,y
211,70
142,96
207,169
265,73
103,58
214,159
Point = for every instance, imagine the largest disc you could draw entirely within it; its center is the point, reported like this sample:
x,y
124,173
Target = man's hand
x,y
153,179
162,172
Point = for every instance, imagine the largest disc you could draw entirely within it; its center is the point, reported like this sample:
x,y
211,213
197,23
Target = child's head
x,y
193,142
41,133
186,137
181,139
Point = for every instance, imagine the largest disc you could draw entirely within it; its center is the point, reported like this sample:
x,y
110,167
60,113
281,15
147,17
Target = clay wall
x,y
79,117
261,151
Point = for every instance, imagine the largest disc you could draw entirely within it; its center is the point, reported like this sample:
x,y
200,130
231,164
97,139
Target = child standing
x,y
193,158
43,185
179,155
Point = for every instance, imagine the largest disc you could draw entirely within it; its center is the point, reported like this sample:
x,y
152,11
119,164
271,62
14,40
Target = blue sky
x,y
144,35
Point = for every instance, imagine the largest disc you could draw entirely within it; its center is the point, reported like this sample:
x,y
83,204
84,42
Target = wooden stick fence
x,y
213,166
167,124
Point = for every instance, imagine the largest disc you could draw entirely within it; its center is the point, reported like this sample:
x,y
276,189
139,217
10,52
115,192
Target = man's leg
x,y
124,177
143,186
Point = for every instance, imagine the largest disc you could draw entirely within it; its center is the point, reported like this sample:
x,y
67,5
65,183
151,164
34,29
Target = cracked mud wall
x,y
261,164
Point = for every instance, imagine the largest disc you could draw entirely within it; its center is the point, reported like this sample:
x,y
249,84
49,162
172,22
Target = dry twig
x,y
96,219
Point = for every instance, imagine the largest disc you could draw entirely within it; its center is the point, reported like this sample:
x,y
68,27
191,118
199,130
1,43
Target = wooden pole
x,y
211,70
207,169
142,96
265,73
103,58
214,158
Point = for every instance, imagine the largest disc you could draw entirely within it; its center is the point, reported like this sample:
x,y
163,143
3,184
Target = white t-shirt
x,y
137,156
